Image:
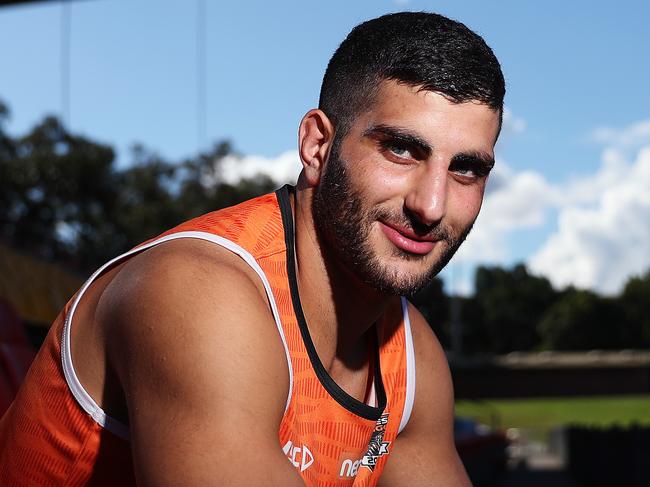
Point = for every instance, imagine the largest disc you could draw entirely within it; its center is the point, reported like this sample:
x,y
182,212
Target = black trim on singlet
x,y
343,398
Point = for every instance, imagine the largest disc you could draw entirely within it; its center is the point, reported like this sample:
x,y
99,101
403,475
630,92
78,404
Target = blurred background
x,y
119,119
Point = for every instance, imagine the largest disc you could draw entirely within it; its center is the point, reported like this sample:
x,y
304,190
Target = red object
x,y
16,354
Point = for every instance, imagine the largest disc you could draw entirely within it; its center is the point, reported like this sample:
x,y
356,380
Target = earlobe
x,y
315,139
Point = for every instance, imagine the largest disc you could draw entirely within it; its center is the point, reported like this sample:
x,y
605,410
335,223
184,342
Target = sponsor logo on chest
x,y
299,456
377,448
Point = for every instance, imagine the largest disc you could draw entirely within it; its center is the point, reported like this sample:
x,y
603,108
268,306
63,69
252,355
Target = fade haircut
x,y
419,49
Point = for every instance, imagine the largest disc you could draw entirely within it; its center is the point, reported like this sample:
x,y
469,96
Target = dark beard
x,y
343,230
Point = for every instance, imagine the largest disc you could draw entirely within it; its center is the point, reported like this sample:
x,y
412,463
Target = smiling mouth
x,y
407,241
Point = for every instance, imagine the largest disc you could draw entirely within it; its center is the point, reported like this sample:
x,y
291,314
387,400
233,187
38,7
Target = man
x,y
167,368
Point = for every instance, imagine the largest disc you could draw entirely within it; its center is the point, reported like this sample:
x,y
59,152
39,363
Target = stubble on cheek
x,y
344,230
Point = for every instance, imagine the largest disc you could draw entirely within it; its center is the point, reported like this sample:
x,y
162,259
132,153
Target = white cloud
x,y
585,190
633,136
520,202
512,123
282,169
600,245
512,201
603,219
513,126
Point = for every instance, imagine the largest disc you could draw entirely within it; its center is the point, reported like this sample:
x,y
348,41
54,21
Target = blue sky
x,y
568,198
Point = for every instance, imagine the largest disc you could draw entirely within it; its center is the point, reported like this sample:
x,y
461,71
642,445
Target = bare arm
x,y
424,453
202,368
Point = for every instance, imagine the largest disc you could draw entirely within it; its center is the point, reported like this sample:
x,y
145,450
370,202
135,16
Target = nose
x,y
427,197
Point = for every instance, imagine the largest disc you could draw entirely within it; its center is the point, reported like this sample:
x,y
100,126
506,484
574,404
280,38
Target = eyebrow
x,y
399,134
485,160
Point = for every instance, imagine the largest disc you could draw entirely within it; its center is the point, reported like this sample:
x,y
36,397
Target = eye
x,y
470,168
463,170
397,148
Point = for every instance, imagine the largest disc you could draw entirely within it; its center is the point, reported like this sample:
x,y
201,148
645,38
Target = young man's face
x,y
401,191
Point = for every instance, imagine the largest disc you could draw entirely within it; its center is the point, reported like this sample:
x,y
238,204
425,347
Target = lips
x,y
406,240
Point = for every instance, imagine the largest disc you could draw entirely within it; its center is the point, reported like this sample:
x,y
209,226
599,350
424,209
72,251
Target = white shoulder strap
x,y
410,368
79,392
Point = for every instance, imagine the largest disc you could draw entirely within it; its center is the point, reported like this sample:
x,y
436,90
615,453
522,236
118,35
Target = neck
x,y
339,308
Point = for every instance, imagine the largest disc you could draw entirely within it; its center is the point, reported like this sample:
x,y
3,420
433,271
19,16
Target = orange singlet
x,y
55,434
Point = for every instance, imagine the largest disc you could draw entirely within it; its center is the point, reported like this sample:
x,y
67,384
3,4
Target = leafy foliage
x,y
582,320
635,302
434,305
511,302
62,197
57,190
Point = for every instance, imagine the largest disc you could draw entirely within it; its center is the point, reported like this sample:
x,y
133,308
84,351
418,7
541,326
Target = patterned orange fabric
x,y
46,438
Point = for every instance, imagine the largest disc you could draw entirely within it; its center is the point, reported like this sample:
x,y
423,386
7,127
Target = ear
x,y
315,137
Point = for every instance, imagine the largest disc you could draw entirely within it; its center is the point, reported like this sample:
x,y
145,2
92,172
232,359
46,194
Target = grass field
x,y
539,416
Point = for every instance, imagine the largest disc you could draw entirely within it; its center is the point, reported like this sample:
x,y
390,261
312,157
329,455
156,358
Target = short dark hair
x,y
419,49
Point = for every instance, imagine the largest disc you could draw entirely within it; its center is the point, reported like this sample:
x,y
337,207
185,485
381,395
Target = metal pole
x,y
65,62
456,321
201,73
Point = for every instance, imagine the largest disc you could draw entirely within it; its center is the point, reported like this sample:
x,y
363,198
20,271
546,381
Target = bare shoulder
x,y
196,350
186,262
186,287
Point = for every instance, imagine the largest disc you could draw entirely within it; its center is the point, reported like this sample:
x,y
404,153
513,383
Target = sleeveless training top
x,y
55,434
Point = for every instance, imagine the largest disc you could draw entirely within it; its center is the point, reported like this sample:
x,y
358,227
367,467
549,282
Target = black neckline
x,y
343,398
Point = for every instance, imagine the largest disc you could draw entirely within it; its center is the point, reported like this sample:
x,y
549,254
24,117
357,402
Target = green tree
x,y
7,154
203,190
635,300
146,203
433,303
583,320
477,339
510,303
62,198
57,188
